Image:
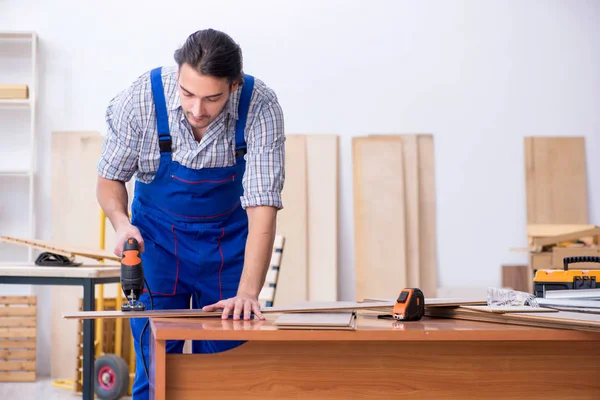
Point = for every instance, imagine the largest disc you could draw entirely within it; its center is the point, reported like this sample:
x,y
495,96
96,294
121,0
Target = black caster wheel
x,y
112,377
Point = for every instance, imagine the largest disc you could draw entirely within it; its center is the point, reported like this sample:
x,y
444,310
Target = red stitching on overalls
x,y
232,177
222,262
177,271
205,217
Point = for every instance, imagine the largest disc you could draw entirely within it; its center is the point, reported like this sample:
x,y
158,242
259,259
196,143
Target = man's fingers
x,y
247,310
239,307
215,306
227,310
256,308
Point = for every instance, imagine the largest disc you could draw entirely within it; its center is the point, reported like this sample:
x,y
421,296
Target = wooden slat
x,y
18,344
17,355
18,321
17,311
379,217
17,332
292,224
428,218
556,180
18,300
17,376
322,153
17,366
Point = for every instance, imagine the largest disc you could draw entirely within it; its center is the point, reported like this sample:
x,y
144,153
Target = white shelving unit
x,y
18,65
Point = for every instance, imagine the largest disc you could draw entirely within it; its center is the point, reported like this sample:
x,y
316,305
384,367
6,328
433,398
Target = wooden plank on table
x,y
322,152
547,230
292,223
513,309
379,216
305,307
556,180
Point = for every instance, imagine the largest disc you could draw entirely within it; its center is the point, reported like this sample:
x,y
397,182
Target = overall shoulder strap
x,y
160,107
243,106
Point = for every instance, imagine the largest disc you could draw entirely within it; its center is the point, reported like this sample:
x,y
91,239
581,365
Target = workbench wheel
x,y
112,377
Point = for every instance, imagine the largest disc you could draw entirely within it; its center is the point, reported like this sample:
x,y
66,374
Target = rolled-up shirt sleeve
x,y
265,158
120,150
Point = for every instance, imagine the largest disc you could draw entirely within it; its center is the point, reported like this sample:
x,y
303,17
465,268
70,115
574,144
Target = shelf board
x,y
17,35
15,102
16,172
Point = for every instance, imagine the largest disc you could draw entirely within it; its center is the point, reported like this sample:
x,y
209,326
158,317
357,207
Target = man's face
x,y
202,97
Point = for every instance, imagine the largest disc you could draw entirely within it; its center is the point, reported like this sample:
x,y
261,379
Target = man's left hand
x,y
239,304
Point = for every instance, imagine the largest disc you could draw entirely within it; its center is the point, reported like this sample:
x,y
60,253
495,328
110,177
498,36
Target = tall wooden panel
x,y
322,153
556,179
292,223
427,217
379,217
75,219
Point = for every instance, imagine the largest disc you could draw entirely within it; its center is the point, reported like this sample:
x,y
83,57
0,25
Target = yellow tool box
x,y
567,279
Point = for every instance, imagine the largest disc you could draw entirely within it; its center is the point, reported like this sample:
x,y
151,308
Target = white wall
x,y
480,75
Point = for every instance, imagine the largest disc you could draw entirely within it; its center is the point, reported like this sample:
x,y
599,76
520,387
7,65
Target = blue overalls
x,y
194,232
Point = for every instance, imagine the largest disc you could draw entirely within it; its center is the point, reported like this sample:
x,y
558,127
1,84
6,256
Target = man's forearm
x,y
259,247
112,197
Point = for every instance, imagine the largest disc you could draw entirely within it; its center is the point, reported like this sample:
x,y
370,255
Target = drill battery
x,y
567,279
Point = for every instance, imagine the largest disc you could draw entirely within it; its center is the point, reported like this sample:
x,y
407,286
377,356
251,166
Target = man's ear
x,y
234,86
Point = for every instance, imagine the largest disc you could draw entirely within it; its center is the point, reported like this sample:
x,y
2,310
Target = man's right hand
x,y
124,233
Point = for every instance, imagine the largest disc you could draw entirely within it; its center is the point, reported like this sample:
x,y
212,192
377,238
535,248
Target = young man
x,y
206,143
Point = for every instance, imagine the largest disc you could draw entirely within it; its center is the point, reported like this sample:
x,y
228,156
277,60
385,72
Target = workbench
x,y
87,276
382,359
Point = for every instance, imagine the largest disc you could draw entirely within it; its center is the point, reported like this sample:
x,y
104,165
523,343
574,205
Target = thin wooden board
x,y
428,217
547,230
74,219
436,301
328,306
556,180
316,320
62,249
557,320
505,310
292,223
322,152
379,216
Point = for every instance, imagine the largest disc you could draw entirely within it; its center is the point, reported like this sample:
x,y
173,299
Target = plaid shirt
x,y
131,143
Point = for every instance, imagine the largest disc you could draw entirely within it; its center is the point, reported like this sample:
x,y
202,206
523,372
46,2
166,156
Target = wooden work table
x,y
382,359
87,276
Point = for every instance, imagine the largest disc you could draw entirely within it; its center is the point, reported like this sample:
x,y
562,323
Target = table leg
x,y
88,340
158,373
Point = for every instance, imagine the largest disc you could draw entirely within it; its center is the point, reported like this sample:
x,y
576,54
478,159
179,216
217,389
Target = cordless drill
x,y
132,276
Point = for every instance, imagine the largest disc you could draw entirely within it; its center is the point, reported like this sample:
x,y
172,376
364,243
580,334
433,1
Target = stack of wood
x,y
558,222
394,215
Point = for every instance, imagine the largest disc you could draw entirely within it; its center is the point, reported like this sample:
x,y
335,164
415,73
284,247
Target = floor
x,y
42,389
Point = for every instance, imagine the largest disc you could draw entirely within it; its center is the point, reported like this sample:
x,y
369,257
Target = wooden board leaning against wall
x,y
309,220
75,219
394,214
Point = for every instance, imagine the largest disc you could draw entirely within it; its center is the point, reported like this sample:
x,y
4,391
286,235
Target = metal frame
x,y
88,324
